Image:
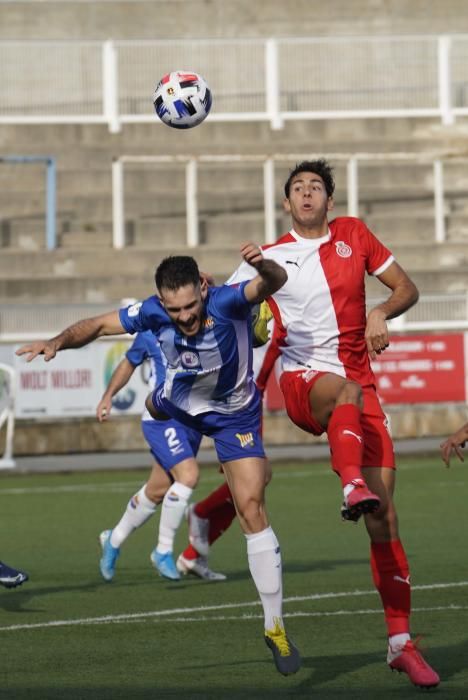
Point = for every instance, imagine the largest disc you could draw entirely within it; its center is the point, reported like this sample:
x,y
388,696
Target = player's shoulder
x,y
283,242
347,223
349,228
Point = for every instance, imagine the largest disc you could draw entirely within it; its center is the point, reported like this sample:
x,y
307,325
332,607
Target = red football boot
x,y
358,501
408,659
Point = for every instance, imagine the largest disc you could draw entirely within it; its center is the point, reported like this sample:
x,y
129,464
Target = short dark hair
x,y
318,167
176,271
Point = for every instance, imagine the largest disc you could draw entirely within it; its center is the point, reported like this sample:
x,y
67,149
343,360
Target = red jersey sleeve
x,y
378,256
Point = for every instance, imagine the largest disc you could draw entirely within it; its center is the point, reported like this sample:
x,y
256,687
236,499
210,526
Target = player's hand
x,y
454,444
104,408
47,348
251,254
376,334
206,277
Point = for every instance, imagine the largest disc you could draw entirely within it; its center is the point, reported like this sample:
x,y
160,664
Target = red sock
x,y
220,519
390,572
346,442
190,553
216,498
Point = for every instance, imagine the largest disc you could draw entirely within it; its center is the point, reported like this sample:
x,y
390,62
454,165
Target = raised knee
x,y
351,393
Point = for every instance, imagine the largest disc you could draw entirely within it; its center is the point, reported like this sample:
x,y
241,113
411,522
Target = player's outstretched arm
x,y
404,295
453,444
270,278
75,336
120,377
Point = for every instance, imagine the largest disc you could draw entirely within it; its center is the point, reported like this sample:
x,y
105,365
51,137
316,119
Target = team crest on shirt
x,y
190,359
245,439
343,249
208,322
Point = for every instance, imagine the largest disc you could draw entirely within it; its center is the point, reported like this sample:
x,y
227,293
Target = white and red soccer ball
x,y
182,99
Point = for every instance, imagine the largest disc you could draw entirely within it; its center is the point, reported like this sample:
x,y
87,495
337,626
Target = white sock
x,y
264,557
139,509
397,641
172,512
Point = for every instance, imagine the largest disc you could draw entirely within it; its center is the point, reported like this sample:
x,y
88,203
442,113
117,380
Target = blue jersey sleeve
x,y
146,315
138,351
230,301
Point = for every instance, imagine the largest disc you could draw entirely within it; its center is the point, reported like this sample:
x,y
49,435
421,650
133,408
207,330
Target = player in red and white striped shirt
x,y
326,340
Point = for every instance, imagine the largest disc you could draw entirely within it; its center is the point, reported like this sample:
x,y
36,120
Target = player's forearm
x,y
85,331
119,379
271,278
402,298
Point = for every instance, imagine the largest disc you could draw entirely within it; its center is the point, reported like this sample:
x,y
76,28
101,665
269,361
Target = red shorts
x,y
378,445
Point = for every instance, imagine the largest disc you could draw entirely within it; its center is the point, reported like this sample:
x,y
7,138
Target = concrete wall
x,y
165,19
123,434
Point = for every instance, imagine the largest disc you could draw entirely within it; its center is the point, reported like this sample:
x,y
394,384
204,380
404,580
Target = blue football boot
x,y
165,565
109,557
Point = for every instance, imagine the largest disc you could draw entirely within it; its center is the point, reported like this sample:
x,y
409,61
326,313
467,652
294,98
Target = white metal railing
x,y
274,79
24,322
352,161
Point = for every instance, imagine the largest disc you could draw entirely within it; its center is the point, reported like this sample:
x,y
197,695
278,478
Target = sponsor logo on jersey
x,y
343,249
190,359
208,322
134,309
245,439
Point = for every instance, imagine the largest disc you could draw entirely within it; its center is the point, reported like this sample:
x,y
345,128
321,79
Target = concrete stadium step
x,y
113,286
430,281
403,227
92,262
86,239
160,232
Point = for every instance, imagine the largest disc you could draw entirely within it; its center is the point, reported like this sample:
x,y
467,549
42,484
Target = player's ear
x,y
330,203
286,205
203,287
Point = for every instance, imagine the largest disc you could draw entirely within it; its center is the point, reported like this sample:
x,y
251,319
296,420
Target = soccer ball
x,y
182,99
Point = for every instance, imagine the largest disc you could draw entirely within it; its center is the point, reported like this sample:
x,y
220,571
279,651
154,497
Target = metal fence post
x,y
118,215
110,89
439,213
269,200
444,46
191,203
51,204
272,84
352,187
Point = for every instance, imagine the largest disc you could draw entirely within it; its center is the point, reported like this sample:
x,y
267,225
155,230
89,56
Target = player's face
x,y
185,306
308,201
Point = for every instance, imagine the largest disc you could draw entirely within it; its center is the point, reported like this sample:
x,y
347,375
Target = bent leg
x,y
141,506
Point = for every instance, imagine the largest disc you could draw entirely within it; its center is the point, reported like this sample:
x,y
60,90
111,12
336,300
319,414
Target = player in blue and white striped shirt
x,y
205,335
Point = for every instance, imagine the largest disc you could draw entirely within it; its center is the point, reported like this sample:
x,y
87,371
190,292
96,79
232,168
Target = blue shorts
x,y
235,435
170,442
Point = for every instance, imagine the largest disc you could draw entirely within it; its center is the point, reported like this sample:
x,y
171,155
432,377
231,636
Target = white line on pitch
x,y
118,486
133,617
